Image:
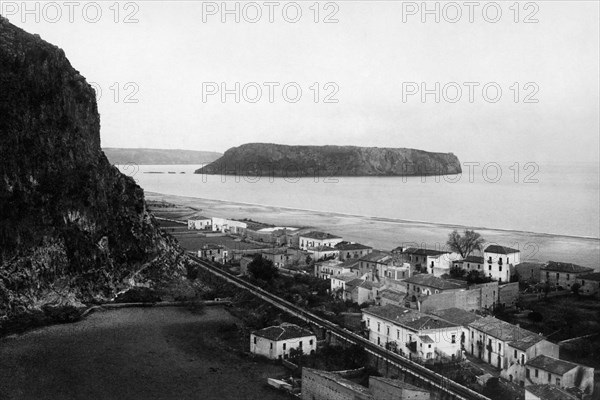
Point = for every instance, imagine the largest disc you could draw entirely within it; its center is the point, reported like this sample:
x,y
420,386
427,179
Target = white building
x,y
411,333
228,225
500,260
199,223
318,239
433,262
275,342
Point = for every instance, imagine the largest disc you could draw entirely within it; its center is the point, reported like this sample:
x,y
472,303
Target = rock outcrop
x,y
72,227
265,159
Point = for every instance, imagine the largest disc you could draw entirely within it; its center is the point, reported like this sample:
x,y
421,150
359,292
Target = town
x,y
457,309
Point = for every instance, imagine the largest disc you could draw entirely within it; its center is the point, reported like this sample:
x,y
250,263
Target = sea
x,y
550,199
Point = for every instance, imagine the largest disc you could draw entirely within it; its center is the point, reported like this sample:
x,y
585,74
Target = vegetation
x,y
466,243
262,269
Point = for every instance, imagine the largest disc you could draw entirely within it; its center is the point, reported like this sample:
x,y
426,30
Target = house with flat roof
x,y
506,346
420,285
351,250
375,265
411,333
435,262
500,262
547,392
213,252
544,369
562,273
470,263
318,239
199,222
275,342
590,284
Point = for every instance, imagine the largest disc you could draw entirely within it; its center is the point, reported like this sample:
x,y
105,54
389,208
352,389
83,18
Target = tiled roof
x,y
392,295
526,342
505,331
456,315
351,246
550,364
398,383
473,259
319,235
339,380
346,277
591,277
376,256
434,282
427,322
550,392
283,332
426,339
424,252
355,282
566,267
496,249
407,317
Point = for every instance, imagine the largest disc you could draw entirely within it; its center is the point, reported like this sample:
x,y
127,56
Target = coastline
x,y
387,233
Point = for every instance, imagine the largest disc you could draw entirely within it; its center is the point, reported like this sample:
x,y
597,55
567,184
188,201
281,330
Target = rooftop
x,y
322,248
473,259
346,277
355,282
496,249
376,256
427,322
351,246
550,392
198,218
407,317
392,295
595,276
424,252
426,339
516,336
339,380
283,332
566,267
550,364
319,235
435,282
398,383
456,315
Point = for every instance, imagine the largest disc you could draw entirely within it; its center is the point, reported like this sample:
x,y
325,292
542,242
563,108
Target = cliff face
x,y
72,227
294,161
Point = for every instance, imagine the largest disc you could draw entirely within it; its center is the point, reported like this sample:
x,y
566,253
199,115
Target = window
x,y
515,354
284,345
378,326
507,260
300,345
388,331
549,377
397,333
582,283
368,321
557,382
271,346
490,267
527,373
568,276
557,276
474,335
499,347
500,268
255,340
453,338
310,342
536,373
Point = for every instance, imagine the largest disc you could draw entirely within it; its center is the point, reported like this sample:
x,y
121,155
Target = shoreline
x,y
375,218
387,233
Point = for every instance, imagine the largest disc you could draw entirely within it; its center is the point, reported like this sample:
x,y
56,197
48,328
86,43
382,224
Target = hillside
x,y
72,228
159,156
267,159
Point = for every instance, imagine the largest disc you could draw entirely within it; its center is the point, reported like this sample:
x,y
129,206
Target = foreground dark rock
x,y
265,159
72,228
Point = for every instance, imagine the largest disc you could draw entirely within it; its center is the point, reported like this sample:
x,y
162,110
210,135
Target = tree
x,y
457,272
466,243
263,269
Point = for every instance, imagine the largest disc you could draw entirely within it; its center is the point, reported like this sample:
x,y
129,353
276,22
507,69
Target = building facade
x,y
562,274
275,342
500,262
317,239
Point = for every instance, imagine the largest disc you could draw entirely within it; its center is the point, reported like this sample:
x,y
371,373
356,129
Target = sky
x,y
364,73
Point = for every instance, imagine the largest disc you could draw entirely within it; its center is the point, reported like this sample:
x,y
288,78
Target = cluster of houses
x,y
413,307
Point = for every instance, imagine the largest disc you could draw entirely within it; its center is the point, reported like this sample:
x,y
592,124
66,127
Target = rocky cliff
x,y
72,227
264,159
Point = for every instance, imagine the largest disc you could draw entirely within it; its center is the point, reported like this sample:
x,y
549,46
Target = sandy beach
x,y
386,234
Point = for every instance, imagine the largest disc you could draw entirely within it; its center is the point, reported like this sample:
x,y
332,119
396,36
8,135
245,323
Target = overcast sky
x,y
370,57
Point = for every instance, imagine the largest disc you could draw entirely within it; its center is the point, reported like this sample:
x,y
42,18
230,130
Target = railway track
x,y
451,388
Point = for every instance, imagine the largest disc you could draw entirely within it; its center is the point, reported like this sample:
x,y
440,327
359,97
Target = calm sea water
x,y
557,199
